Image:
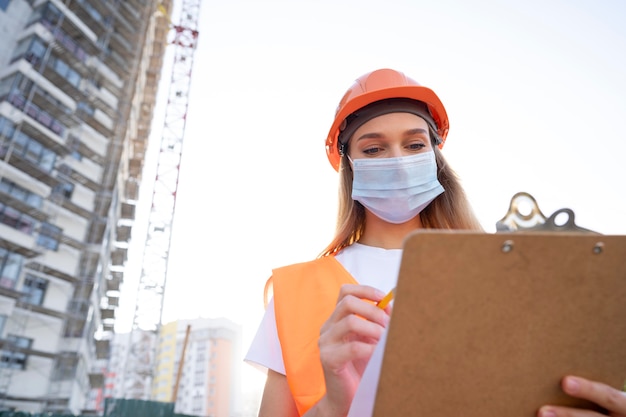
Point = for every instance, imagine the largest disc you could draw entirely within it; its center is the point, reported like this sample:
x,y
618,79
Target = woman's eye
x,y
416,146
371,151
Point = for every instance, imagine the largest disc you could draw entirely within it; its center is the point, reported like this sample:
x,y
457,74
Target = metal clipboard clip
x,y
534,220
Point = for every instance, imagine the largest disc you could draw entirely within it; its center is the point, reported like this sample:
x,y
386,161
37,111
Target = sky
x,y
535,91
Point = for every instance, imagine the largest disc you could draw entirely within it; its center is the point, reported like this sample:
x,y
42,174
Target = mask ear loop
x,y
346,161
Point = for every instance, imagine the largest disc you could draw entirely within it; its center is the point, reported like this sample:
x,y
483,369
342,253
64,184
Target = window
x,y
64,70
49,14
10,268
199,377
65,368
28,148
20,193
49,236
64,189
34,289
4,4
74,144
11,358
16,219
81,106
35,52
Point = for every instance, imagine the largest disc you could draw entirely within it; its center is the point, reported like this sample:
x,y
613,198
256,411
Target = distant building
x,y
78,83
113,371
209,384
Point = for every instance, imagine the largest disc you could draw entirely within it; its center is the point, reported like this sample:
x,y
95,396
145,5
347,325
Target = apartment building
x,y
78,83
209,383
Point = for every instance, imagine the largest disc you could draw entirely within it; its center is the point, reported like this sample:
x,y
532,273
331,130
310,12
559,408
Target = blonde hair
x,y
450,210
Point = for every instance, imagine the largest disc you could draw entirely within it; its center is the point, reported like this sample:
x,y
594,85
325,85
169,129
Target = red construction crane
x,y
139,367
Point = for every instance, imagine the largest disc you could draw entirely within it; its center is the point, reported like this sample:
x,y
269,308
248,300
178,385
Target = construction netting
x,y
116,407
120,407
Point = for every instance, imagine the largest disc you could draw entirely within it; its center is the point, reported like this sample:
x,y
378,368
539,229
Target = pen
x,y
386,299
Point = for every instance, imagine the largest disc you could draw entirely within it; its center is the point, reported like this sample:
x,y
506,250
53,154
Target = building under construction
x,y
78,84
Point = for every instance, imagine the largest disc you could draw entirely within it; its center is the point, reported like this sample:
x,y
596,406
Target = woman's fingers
x,y
360,291
609,398
350,335
605,396
359,300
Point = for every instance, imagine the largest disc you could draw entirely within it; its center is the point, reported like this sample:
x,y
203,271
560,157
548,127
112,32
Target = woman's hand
x,y
347,341
612,400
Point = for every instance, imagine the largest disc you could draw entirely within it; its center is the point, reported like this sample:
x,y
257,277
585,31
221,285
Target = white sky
x,y
535,91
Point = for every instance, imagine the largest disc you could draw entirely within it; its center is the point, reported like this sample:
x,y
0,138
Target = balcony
x,y
117,63
131,189
103,349
119,256
40,124
41,310
8,346
123,47
102,99
57,110
96,380
30,168
10,293
135,167
98,121
123,233
63,201
69,49
37,131
77,145
92,18
73,31
128,211
70,241
107,314
38,267
78,177
130,10
114,281
106,77
60,73
23,207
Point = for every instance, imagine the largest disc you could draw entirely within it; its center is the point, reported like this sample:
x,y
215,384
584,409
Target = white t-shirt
x,y
368,265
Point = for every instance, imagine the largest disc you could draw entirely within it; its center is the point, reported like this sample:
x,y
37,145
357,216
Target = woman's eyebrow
x,y
372,135
416,131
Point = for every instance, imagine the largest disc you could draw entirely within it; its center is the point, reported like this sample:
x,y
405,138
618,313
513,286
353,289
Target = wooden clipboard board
x,y
488,324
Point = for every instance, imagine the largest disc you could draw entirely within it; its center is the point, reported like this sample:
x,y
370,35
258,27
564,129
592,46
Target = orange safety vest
x,y
305,296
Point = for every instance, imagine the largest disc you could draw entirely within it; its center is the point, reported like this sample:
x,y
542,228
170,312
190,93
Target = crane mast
x,y
139,366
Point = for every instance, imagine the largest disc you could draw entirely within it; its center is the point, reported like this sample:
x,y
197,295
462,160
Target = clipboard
x,y
488,324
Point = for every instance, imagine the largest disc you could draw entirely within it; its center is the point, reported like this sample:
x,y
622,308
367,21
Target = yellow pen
x,y
386,299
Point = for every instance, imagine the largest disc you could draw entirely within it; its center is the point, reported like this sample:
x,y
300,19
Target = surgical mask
x,y
396,189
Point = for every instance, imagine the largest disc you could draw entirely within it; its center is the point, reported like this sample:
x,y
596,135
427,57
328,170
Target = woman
x,y
322,325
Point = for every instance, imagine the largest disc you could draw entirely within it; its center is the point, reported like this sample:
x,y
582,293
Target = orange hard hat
x,y
380,85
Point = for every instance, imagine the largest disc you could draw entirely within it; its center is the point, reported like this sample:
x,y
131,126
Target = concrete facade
x,y
78,84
